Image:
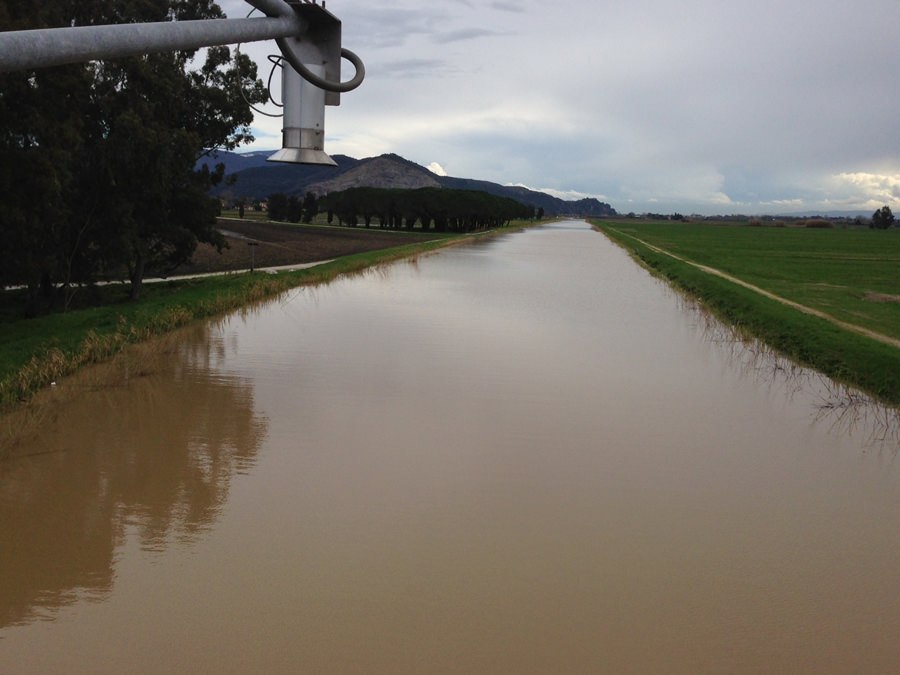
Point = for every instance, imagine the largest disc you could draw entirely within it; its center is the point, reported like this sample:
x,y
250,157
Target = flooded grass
x,y
809,340
113,369
845,408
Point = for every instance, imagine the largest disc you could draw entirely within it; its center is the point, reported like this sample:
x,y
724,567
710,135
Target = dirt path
x,y
886,339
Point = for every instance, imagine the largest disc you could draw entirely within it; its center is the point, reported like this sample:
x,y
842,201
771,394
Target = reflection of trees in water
x,y
151,454
847,410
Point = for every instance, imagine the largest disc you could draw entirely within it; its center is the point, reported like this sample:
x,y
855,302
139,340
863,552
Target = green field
x,y
852,275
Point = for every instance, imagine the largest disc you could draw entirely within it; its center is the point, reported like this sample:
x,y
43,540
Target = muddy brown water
x,y
524,455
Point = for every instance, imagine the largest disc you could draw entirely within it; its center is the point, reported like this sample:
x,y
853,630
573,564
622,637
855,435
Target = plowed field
x,y
286,244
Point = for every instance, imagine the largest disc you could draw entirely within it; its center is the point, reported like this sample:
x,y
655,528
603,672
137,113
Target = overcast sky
x,y
698,106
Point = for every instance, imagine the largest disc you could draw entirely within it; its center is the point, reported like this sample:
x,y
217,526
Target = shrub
x,y
819,224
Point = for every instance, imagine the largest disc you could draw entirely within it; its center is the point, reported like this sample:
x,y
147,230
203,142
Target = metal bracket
x,y
321,43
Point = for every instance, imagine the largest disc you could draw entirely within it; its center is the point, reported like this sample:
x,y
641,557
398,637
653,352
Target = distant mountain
x,y
539,200
386,171
257,179
237,161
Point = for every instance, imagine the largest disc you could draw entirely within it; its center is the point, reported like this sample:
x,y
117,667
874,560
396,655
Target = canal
x,y
521,455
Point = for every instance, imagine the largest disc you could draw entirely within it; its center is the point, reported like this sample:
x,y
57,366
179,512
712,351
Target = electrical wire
x,y
287,54
276,62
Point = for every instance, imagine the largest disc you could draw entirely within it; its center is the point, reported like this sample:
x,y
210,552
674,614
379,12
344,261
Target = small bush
x,y
819,224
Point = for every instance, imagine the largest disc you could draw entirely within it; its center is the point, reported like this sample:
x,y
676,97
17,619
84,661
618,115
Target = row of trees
x,y
444,210
292,209
97,160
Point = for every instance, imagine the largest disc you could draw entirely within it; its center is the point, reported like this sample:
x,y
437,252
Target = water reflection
x,y
156,466
846,410
515,457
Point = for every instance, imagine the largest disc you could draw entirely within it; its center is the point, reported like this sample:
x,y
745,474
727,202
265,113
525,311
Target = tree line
x,y
442,210
292,209
98,160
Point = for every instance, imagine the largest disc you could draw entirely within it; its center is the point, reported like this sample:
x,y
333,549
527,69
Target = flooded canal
x,y
524,455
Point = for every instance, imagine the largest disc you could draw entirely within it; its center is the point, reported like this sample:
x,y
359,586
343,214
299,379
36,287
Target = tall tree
x,y
883,218
310,207
278,206
157,116
41,142
113,147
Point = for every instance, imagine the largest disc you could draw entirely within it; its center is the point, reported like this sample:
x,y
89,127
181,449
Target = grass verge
x,y
811,341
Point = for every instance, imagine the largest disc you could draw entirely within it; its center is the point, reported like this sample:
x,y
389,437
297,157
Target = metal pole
x,y
24,50
252,245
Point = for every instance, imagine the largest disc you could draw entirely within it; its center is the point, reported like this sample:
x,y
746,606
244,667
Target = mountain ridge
x,y
257,179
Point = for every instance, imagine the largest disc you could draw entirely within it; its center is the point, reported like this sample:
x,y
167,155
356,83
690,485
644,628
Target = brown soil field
x,y
286,244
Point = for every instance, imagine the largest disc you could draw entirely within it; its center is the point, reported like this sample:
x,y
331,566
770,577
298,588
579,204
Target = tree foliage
x,y
112,149
883,218
443,210
291,209
310,207
278,206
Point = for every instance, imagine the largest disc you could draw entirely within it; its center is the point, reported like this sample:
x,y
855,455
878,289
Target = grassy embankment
x,y
850,275
35,352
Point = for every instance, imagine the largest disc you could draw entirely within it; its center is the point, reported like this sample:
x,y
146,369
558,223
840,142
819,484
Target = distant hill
x,y
238,161
386,171
257,179
551,205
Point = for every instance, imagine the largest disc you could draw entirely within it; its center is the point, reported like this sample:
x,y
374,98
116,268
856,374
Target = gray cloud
x,y
517,8
701,105
463,34
417,68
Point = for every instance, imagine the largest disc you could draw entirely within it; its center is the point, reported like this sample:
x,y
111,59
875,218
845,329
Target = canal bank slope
x,y
845,352
34,353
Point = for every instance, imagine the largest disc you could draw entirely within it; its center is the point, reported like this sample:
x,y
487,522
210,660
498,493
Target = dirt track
x,y
286,245
880,337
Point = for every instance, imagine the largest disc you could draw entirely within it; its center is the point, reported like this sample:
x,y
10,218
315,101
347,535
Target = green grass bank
x,y
36,352
850,275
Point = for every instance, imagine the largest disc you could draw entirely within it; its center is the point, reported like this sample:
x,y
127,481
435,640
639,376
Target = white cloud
x,y
870,189
357,145
436,169
568,195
